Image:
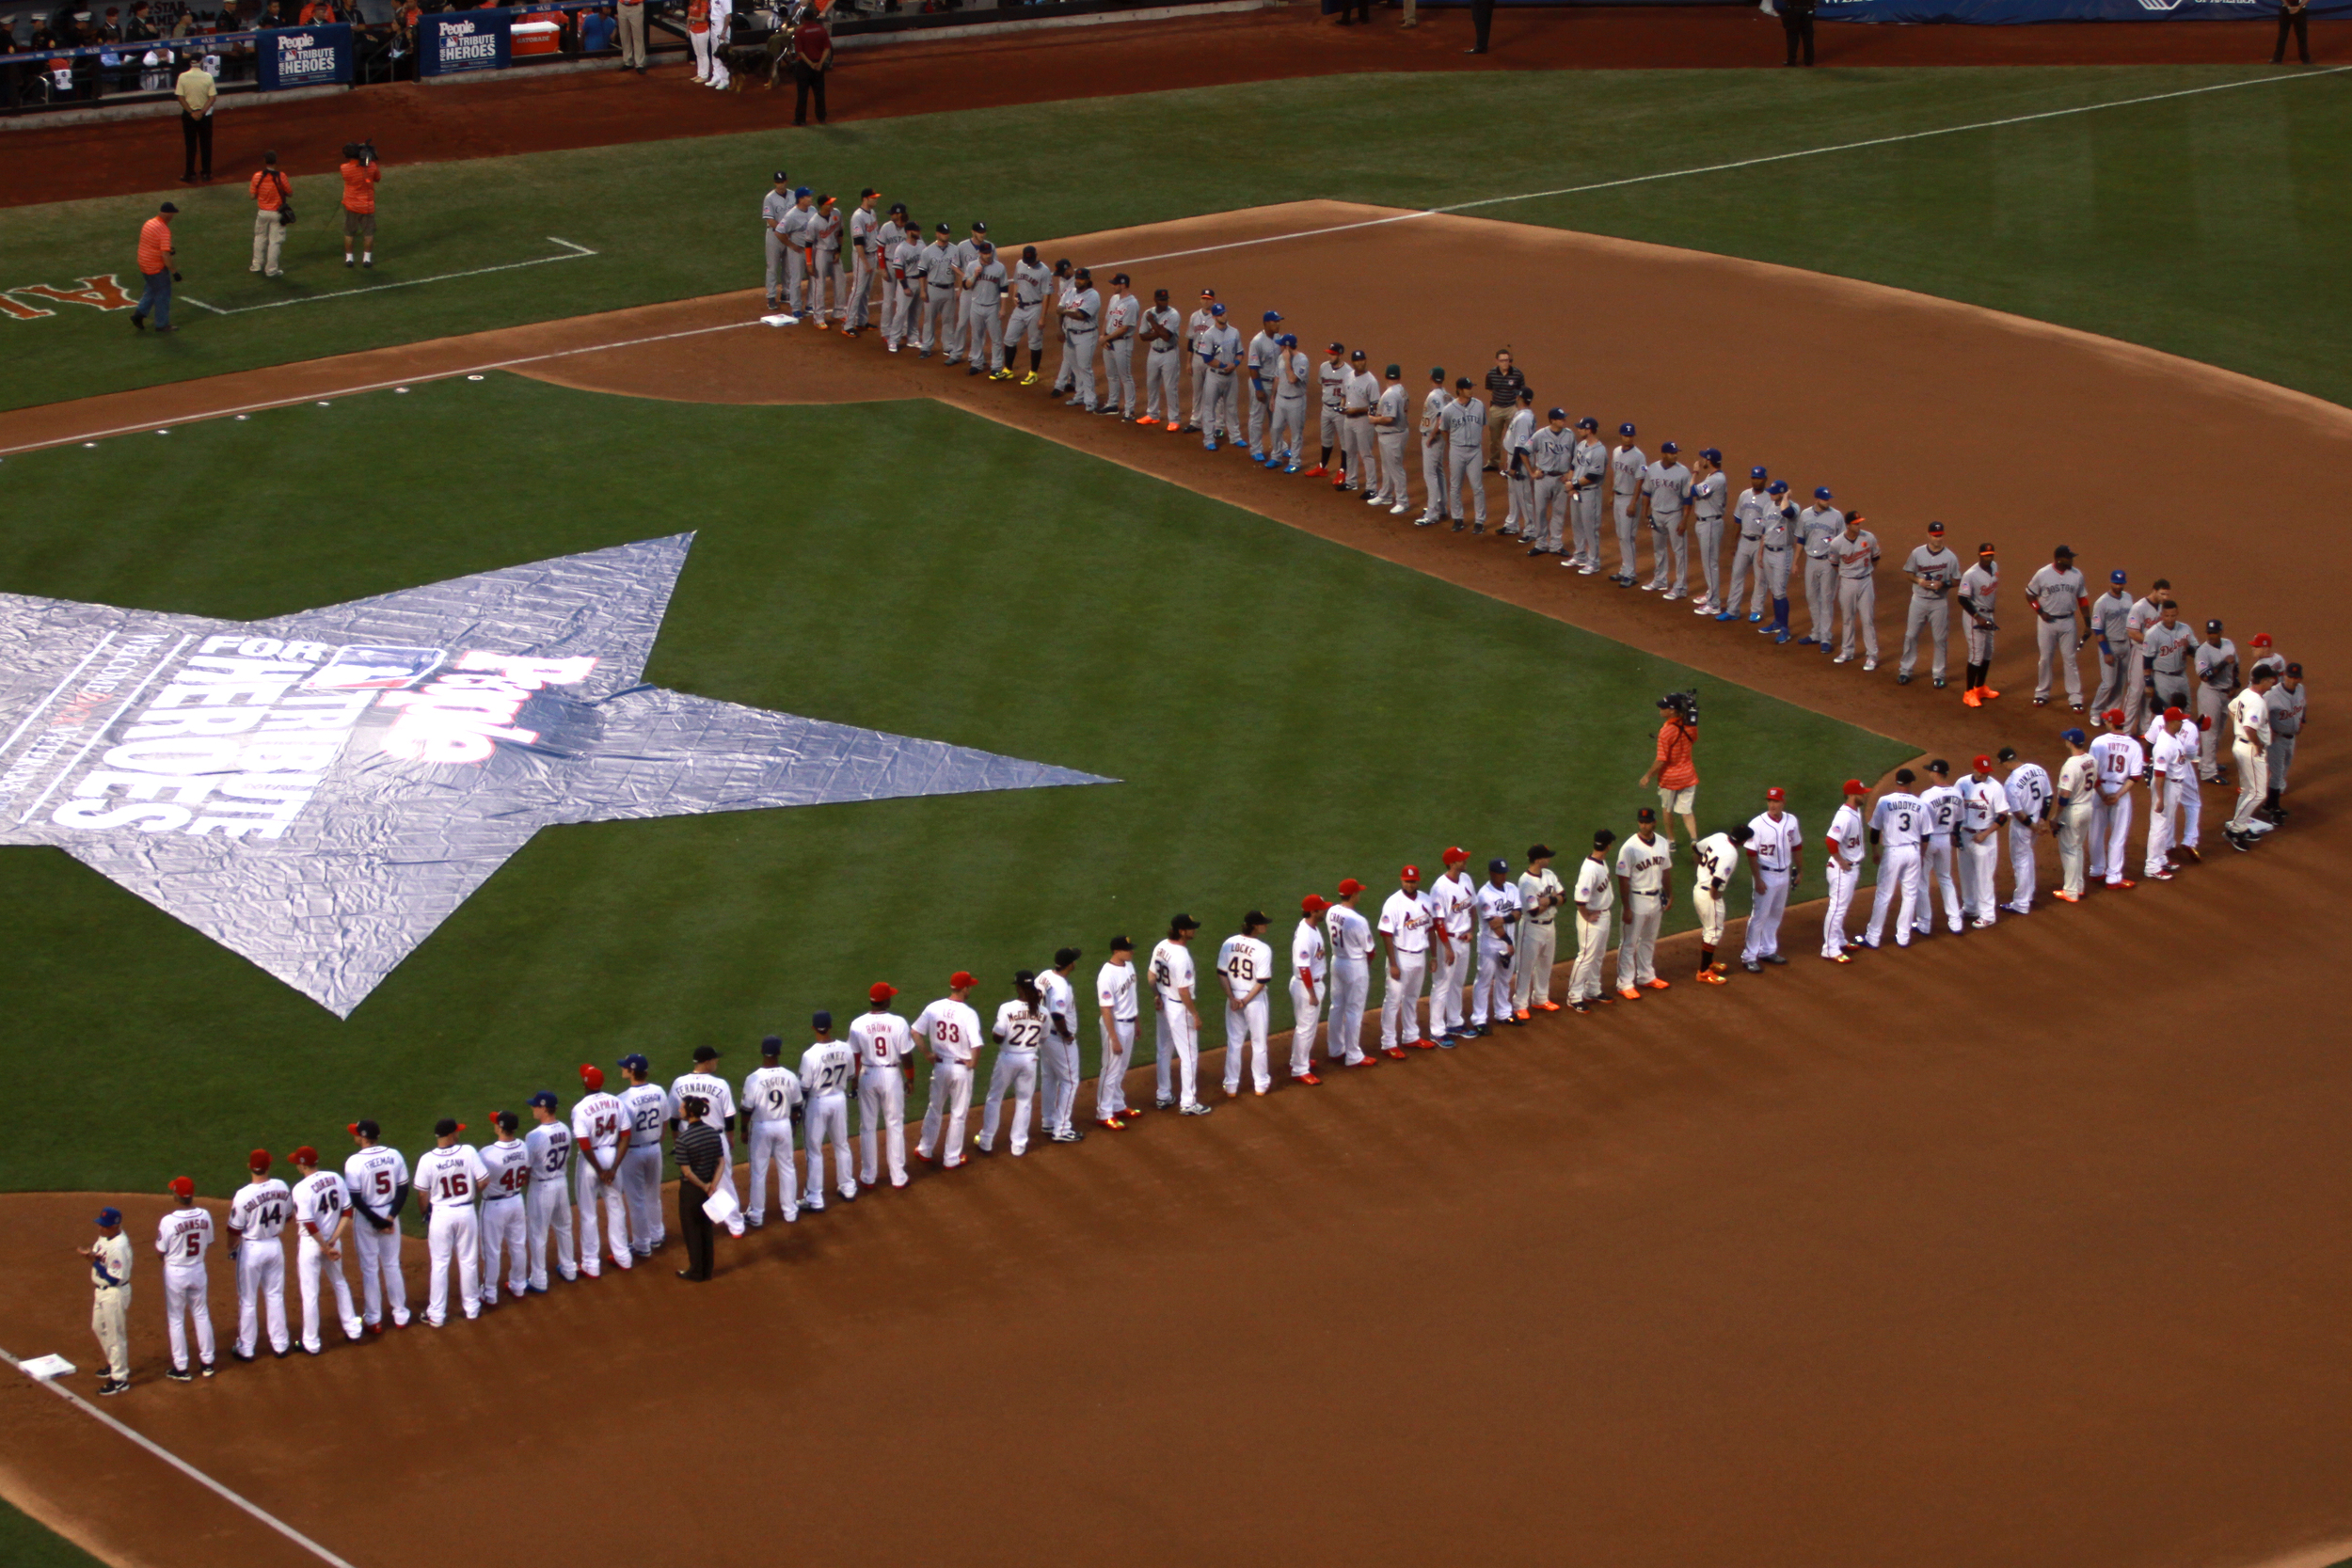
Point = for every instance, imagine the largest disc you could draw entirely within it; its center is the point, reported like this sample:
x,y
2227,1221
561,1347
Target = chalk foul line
x,y
185,1468
571,253
1726,167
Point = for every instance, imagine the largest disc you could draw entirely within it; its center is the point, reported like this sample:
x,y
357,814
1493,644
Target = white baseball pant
x,y
1400,999
188,1301
548,1211
2022,871
1351,982
1111,1082
1936,876
309,1261
1058,1083
772,1149
1899,872
641,1184
1764,912
261,1284
503,1228
882,1109
591,1193
450,1236
1977,871
1531,977
1592,947
2253,785
1490,994
1013,1073
1843,878
826,1122
2113,854
2076,820
381,1283
1448,976
1180,1052
1714,912
1637,940
1306,1014
1246,1036
110,1319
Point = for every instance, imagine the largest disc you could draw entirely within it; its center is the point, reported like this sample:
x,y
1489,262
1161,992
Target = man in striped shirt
x,y
1504,383
700,1154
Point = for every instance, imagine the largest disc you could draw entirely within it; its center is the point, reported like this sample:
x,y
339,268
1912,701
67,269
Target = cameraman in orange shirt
x,y
360,173
1675,771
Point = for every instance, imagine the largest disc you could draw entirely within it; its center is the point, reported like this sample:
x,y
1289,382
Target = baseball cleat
x,y
1940,683
180,1374
1294,468
1519,1014
2122,883
1165,1103
1869,665
1987,692
1317,471
1779,637
924,353
1000,375
1981,925
1146,419
2078,708
1394,1053
1208,445
1197,1110
1843,658
1753,967
2041,702
1656,984
1806,643
1112,1122
376,1328
1424,1045
1399,509
1970,699
1838,958
1728,615
1579,1007
2190,850
1305,1078
1709,977
1902,677
239,1355
1631,993
1458,527
1363,1061
113,1386
205,1371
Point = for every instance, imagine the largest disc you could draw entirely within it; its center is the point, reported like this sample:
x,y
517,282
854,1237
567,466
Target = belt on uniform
x,y
1556,474
502,1197
1775,549
1642,893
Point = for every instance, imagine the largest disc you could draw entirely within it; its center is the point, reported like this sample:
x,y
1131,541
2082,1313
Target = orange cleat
x,y
2068,898
1658,985
1145,419
1632,994
1709,977
1987,692
1546,1006
1970,699
1520,1015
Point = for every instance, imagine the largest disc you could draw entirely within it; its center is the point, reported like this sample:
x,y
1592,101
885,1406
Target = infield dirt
x,y
2020,1247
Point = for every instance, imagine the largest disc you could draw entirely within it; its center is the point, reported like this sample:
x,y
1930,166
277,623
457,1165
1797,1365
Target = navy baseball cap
x,y
1758,471
1498,864
634,1059
2213,625
899,208
1668,448
1777,487
821,1021
1625,428
1712,455
2116,577
1557,414
1588,422
545,1096
1289,340
978,228
1274,315
109,1216
1936,528
771,1046
1820,493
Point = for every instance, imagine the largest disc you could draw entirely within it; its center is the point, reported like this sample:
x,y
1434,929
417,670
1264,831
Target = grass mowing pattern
x,y
26,1542
2216,227
1282,711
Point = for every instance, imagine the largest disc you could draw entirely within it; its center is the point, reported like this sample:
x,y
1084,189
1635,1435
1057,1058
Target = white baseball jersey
x,y
1172,970
647,1108
1847,840
1497,903
2169,751
1644,865
1982,802
1942,804
1061,1002
1405,920
506,1168
1595,890
1308,950
2250,713
1020,1027
770,1092
1246,963
548,1148
1455,895
450,1176
2117,759
183,1237
1351,933
1775,843
708,1087
1540,895
951,1029
880,1039
259,1210
825,1067
319,1201
596,1124
2078,777
373,1176
1115,990
1898,819
2029,790
1718,857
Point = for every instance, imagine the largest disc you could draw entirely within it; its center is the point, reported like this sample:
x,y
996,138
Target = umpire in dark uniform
x,y
1796,20
701,1159
2293,16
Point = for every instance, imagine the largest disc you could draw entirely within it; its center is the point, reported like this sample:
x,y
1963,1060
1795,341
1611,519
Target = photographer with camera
x,y
360,173
1676,772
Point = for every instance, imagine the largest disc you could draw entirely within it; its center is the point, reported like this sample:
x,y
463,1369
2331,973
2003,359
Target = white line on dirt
x,y
573,253
1720,168
187,1469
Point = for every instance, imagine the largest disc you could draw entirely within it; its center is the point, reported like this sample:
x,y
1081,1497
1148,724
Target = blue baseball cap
x,y
636,1060
1758,471
1588,422
802,191
1216,309
1821,492
1625,428
1777,487
2116,577
1274,315
545,1096
2076,737
1712,455
1668,448
109,1216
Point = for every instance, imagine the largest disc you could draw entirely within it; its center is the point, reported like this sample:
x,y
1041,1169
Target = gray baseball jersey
x,y
1707,497
986,280
1979,585
2168,647
2054,593
1592,460
1391,407
863,226
1751,510
1818,527
1197,330
2216,664
938,264
1359,392
1291,369
1626,466
773,208
1937,564
1858,557
2110,617
1553,452
1465,425
1668,486
1223,349
2286,711
1030,282
1334,380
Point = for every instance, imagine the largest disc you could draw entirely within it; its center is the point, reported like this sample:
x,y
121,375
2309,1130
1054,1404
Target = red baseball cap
x,y
181,1187
1775,793
2115,716
2261,640
961,980
1314,903
305,1155
881,990
1411,874
1853,786
1350,887
1981,764
1456,856
258,1161
2173,713
592,1076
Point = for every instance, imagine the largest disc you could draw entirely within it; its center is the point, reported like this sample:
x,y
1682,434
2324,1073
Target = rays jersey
x,y
825,1067
1245,963
770,1093
506,1168
319,1201
183,1237
1718,858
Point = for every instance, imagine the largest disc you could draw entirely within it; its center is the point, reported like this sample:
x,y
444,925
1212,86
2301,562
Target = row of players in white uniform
x,y
504,1204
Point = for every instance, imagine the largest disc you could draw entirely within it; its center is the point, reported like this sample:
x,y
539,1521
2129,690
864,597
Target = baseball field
x,y
2023,1246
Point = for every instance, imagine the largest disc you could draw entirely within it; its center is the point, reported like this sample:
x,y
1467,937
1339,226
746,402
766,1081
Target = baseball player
x,y
1289,432
1120,313
1351,978
506,1164
1551,454
1118,1012
2110,623
546,1205
909,285
950,1029
717,1098
2265,653
2216,660
110,1299
1628,465
1855,551
1172,983
1358,393
2172,792
1497,914
773,209
1818,528
1082,332
1020,1034
865,261
1331,388
936,267
1747,556
2248,719
1433,405
1197,328
1983,809
2288,704
1644,862
1244,965
1666,495
2145,612
885,1052
1717,856
1848,841
1409,923
772,1098
448,1177
1934,572
1940,802
1979,586
1463,423
1065,293
2077,795
2027,786
321,1207
1711,497
377,1179
983,284
183,1239
1057,1065
1163,365
1776,848
1540,897
2167,646
1031,283
787,231
828,1065
1264,377
2117,762
1220,355
256,1217
600,1137
647,1108
1587,479
1456,898
1595,894
2061,606
1519,484
824,264
1310,965
1389,414
1898,823
1777,551
961,254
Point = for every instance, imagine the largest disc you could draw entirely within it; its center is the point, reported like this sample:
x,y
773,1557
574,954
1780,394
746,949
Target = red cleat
x,y
1315,472
2069,898
1112,1122
1395,1053
1145,419
1546,1006
1306,1078
1363,1061
2123,883
1424,1045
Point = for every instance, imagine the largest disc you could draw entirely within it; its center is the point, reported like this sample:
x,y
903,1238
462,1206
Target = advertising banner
x,y
449,42
303,56
320,790
2000,11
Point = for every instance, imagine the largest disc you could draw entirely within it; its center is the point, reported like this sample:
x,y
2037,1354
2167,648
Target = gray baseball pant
x,y
1821,593
938,301
1395,482
1335,432
1584,518
1462,466
1936,615
1670,568
775,263
1433,478
1857,612
959,323
2112,682
1773,577
1979,640
1747,568
1521,488
1078,360
860,301
1119,375
1363,458
2281,757
1628,534
1199,386
1551,512
897,299
2135,689
2059,639
1260,417
1161,385
1708,532
988,337
2213,713
795,278
825,284
1216,415
1290,426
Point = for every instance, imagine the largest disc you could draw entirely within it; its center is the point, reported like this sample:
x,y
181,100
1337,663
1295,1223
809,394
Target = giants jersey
x,y
319,1201
708,1086
952,1029
1497,903
2028,787
1115,990
880,1039
258,1211
1244,963
506,1169
1644,865
1846,838
2118,760
1898,819
1982,802
1941,802
373,1176
647,1108
1020,1027
450,1176
1595,894
1718,858
825,1067
1172,970
1308,950
182,1238
1775,844
1406,918
770,1093
548,1146
597,1123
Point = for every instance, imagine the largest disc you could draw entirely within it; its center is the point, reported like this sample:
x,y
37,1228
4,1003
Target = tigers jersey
x,y
1898,819
770,1093
506,1168
1172,970
880,1039
825,1067
1245,963
708,1086
183,1237
1718,858
450,1176
548,1146
951,1028
319,1201
258,1211
1019,1027
647,1108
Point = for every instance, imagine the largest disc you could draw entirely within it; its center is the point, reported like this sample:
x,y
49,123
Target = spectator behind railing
x,y
599,31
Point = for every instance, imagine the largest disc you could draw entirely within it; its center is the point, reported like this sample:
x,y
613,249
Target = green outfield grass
x,y
2216,225
25,1543
1282,711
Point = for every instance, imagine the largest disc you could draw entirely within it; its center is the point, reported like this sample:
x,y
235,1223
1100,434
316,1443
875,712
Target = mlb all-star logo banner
x,y
317,792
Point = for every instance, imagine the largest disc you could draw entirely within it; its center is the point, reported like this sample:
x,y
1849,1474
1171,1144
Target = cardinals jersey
x,y
1308,950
